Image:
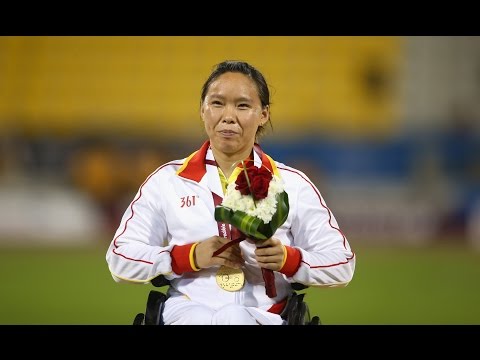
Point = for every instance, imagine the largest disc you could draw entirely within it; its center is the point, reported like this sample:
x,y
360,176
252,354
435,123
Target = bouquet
x,y
256,205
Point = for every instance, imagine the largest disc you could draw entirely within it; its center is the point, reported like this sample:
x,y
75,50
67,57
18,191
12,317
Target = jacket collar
x,y
194,167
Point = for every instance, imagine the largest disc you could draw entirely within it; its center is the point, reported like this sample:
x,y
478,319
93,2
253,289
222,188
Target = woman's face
x,y
232,113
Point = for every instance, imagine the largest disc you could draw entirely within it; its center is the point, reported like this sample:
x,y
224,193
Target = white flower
x,y
264,209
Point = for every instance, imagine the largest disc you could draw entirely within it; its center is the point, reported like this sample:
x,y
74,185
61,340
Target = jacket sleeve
x,y
139,250
325,256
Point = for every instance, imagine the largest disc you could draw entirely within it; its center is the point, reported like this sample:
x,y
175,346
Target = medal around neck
x,y
230,279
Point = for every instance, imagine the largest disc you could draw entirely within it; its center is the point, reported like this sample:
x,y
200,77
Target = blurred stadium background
x,y
387,127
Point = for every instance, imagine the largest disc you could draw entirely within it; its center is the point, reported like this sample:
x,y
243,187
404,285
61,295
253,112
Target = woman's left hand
x,y
269,254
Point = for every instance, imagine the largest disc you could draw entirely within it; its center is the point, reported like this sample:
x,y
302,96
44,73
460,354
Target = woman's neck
x,y
227,162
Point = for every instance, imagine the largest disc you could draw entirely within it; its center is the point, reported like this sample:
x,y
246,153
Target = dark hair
x,y
248,70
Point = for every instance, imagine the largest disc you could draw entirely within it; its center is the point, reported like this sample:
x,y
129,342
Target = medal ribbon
x,y
224,230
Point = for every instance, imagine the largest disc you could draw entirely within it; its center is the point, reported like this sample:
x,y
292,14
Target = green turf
x,y
390,286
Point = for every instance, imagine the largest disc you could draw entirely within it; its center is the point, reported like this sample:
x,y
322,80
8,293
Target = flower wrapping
x,y
256,205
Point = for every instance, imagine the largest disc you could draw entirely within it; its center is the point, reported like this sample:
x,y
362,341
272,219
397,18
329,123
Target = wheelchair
x,y
296,311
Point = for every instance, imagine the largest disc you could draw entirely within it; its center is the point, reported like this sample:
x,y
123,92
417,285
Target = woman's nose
x,y
229,114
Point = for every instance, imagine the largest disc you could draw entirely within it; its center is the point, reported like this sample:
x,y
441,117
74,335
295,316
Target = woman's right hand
x,y
231,256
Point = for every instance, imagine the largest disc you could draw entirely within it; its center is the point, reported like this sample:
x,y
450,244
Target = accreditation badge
x,y
230,279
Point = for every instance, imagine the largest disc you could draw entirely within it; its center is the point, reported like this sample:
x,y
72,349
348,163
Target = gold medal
x,y
230,279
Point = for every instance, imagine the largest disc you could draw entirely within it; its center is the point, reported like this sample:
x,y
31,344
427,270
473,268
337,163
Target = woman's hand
x,y
270,254
231,256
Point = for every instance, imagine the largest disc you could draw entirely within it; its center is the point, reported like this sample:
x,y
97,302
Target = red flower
x,y
259,181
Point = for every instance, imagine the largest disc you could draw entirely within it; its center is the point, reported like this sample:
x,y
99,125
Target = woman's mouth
x,y
227,133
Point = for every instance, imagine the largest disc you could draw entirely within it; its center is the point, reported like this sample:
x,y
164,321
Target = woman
x,y
170,229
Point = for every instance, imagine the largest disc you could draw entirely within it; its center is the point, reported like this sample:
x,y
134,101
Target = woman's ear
x,y
265,115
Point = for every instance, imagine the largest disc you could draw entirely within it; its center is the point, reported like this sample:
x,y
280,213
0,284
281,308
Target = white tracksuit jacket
x,y
174,208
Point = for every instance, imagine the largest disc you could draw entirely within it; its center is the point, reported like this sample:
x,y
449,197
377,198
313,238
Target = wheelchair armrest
x,y
298,286
160,281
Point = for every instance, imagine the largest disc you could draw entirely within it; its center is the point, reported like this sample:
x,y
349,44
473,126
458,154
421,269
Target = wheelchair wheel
x,y
300,314
155,304
315,321
297,312
139,319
